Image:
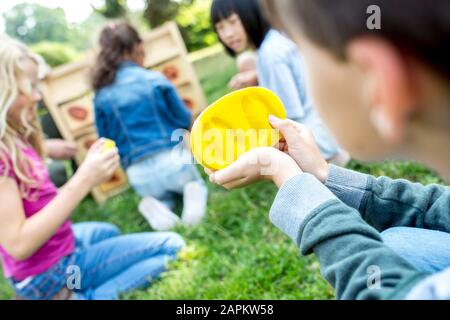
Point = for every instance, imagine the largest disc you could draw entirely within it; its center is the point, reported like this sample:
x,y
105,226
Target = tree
x,y
192,17
195,25
85,34
33,23
158,12
112,9
54,53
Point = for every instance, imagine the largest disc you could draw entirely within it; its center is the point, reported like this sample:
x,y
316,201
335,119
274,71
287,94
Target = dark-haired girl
x,y
241,26
140,110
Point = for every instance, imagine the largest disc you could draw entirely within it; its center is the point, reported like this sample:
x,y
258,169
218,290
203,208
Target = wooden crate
x,y
191,97
78,114
68,95
175,70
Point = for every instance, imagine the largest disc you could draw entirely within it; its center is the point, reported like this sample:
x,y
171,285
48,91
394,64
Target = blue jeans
x,y
427,250
109,264
163,175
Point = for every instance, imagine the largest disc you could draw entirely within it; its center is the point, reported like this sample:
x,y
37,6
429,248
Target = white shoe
x,y
157,214
195,198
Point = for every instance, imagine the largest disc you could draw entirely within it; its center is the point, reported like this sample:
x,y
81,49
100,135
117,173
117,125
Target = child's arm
x,y
386,203
351,253
382,202
100,119
181,115
21,237
58,149
349,250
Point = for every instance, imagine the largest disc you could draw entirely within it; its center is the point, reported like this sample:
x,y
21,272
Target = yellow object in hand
x,y
234,125
109,144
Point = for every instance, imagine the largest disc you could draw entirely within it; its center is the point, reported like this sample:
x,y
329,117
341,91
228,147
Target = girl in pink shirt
x,y
42,253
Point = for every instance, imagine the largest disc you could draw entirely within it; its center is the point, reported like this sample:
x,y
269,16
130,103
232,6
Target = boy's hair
x,y
116,39
413,26
14,81
251,14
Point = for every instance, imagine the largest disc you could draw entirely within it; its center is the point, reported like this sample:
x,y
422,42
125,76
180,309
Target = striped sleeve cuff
x,y
295,201
349,186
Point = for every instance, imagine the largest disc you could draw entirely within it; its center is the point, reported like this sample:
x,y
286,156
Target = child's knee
x,y
108,228
394,237
175,241
404,241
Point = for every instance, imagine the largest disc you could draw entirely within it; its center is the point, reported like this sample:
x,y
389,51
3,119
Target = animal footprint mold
x,y
171,72
189,103
234,125
78,113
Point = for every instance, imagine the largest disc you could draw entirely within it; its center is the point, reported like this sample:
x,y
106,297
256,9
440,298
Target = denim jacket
x,y
139,111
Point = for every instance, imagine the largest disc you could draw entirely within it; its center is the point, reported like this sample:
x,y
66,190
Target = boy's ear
x,y
390,85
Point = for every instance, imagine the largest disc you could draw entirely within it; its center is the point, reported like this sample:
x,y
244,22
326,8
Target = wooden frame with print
x,y
68,95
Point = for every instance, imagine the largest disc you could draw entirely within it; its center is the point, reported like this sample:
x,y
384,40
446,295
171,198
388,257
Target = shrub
x,y
55,54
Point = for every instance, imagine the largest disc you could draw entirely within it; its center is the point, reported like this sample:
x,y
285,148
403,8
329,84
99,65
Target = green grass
x,y
236,253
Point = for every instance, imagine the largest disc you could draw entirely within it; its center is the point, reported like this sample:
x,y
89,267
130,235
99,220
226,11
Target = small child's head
x,y
19,96
246,61
240,25
384,92
119,41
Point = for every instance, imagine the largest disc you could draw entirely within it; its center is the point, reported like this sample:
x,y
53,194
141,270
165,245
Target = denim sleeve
x,y
181,115
100,118
385,203
279,79
352,255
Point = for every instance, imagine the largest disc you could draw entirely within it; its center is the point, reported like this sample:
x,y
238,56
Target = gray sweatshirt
x,y
341,223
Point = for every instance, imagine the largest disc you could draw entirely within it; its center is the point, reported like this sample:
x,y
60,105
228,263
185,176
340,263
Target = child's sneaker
x,y
195,198
157,214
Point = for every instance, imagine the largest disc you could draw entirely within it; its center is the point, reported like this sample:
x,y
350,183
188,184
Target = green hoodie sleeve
x,y
385,203
349,250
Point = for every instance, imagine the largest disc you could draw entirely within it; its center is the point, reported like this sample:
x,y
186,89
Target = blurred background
x,y
61,31
236,253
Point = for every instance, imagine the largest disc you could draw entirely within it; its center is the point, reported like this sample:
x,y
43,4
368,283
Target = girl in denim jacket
x,y
141,111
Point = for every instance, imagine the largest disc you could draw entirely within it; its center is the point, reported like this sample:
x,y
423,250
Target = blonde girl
x,y
39,246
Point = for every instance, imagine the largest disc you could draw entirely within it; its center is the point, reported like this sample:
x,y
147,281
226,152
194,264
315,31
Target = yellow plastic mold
x,y
234,125
109,144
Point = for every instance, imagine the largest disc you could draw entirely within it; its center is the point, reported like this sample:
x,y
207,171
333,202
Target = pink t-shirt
x,y
61,244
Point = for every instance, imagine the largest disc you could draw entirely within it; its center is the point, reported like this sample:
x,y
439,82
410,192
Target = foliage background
x,y
47,31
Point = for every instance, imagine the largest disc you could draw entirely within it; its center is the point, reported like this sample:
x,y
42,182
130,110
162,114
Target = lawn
x,y
236,253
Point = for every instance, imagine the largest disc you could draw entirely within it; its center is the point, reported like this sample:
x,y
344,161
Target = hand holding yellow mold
x,y
234,125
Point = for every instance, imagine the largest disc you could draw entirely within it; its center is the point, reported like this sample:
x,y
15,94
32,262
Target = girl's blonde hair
x,y
14,137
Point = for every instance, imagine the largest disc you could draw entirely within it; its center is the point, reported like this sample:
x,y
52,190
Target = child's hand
x,y
100,163
262,163
58,149
244,80
300,144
